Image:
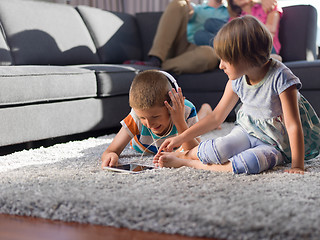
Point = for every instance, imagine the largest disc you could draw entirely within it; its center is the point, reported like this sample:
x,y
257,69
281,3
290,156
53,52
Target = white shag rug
x,y
65,182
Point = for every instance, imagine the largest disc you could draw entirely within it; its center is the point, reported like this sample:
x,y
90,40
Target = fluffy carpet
x,y
65,182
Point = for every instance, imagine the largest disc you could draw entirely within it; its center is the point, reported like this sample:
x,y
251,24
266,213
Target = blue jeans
x,y
211,28
247,154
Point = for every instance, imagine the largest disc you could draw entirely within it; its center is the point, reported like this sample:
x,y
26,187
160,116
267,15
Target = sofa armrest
x,y
298,33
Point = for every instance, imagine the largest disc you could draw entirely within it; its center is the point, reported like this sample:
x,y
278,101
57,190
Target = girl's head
x,y
244,40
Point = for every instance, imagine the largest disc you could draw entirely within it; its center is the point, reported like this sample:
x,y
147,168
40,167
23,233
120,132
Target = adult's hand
x,y
268,5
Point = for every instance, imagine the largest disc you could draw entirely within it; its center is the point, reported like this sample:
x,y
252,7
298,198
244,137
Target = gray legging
x,y
247,154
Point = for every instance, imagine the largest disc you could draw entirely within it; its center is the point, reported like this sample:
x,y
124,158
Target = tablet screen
x,y
129,168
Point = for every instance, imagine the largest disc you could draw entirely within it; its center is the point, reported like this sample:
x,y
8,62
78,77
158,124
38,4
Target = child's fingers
x,y
113,162
294,170
105,163
180,93
180,97
177,98
168,106
172,95
163,147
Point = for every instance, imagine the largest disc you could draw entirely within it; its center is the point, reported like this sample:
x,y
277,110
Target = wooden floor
x,y
27,228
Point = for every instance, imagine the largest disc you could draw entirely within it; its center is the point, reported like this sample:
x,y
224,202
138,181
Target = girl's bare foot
x,y
171,160
204,110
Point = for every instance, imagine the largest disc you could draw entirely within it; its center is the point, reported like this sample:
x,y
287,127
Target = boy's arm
x,y
177,112
289,102
111,155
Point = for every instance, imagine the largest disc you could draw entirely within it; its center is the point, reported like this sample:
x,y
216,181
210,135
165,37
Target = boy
x,y
152,119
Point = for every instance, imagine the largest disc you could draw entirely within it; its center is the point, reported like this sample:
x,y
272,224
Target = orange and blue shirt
x,y
144,140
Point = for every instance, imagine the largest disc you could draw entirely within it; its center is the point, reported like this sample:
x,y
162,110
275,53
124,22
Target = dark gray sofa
x,y
61,67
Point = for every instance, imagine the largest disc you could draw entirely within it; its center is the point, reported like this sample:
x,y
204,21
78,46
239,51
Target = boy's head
x,y
244,39
148,89
147,94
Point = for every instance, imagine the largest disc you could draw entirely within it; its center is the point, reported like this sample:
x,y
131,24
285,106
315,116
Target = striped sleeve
x,y
190,113
130,124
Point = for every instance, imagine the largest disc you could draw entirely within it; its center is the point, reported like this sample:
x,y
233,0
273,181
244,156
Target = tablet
x,y
128,168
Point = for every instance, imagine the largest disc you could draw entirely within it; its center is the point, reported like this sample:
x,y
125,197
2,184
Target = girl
x,y
271,19
269,129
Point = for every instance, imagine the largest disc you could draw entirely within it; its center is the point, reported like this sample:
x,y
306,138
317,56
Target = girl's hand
x,y
295,170
177,110
109,159
168,145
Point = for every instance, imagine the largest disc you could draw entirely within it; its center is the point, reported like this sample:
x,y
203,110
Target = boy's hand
x,y
177,109
295,170
109,159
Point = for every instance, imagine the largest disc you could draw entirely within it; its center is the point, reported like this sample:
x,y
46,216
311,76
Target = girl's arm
x,y
177,112
273,21
289,102
111,155
210,122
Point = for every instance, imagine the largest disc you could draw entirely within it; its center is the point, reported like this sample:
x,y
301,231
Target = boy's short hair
x,y
244,39
148,89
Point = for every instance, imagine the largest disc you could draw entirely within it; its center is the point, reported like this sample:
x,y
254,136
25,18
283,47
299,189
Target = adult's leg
x,y
211,28
213,25
197,59
172,30
203,38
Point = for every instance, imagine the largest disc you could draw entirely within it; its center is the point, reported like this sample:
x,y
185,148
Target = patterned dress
x,y
261,113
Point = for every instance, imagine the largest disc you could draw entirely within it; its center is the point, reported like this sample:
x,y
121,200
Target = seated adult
x,y
173,47
206,34
271,19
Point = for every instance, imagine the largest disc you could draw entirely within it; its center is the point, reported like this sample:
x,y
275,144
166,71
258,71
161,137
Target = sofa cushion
x,y
298,33
46,33
308,73
114,79
211,81
40,121
116,35
147,23
30,84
